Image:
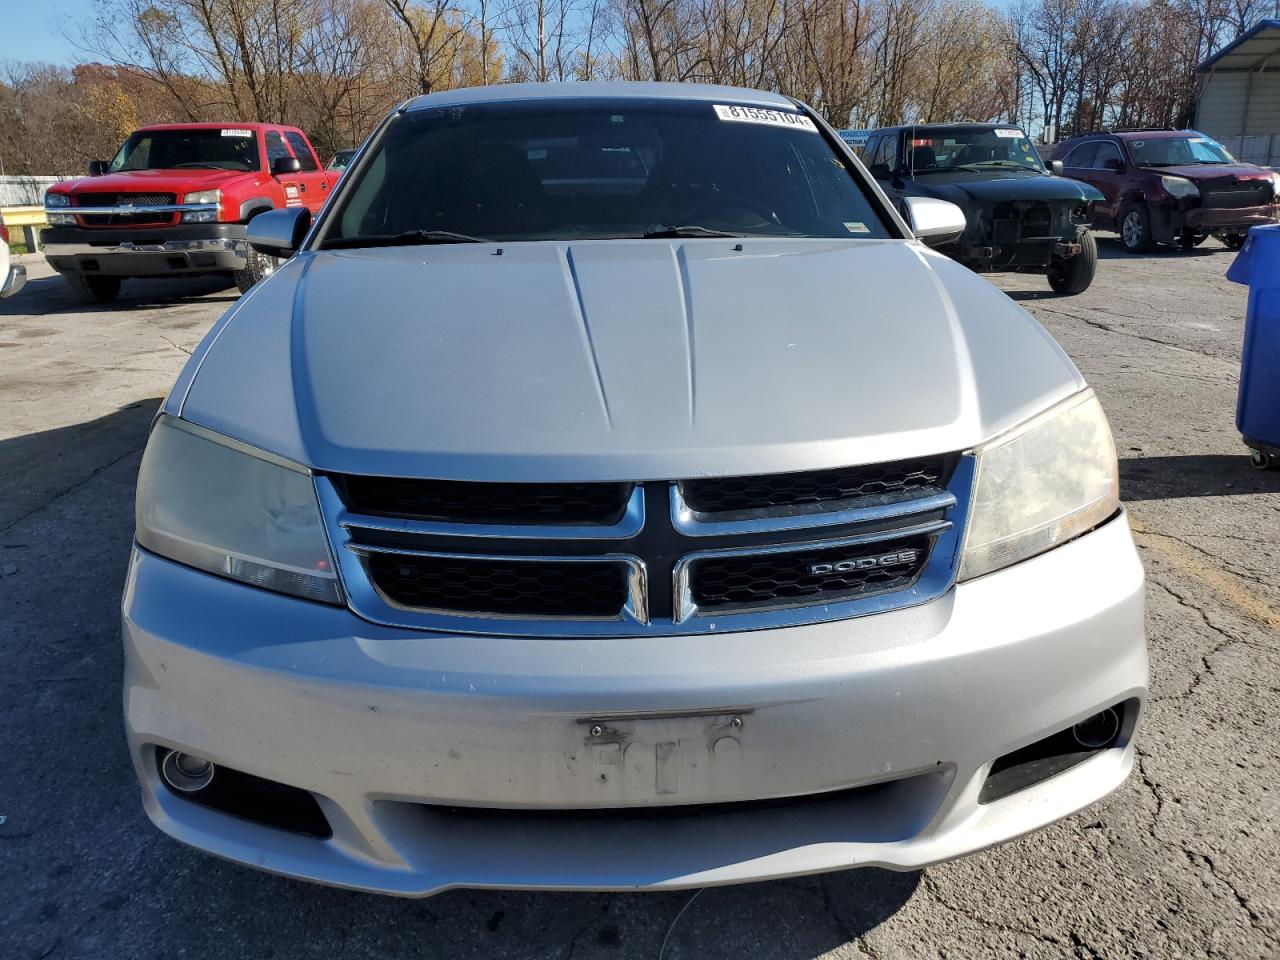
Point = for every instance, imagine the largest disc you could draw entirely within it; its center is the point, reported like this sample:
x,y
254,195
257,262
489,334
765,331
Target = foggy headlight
x,y
1179,187
1041,484
202,216
226,508
54,201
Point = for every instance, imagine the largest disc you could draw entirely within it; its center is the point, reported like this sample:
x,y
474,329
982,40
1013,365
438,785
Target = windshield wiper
x,y
672,232
406,239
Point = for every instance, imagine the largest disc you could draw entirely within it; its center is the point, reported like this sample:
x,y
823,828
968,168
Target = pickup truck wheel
x,y
1234,241
1135,229
1189,240
92,289
1069,277
258,266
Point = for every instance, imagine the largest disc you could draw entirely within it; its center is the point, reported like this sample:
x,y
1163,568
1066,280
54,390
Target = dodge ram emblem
x,y
899,558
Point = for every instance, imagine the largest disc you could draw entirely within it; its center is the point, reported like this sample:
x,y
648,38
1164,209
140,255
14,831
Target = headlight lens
x,y
1179,187
1041,484
222,506
52,200
202,196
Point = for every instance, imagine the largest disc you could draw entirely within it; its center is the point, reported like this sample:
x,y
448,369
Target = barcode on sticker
x,y
1009,134
236,132
772,118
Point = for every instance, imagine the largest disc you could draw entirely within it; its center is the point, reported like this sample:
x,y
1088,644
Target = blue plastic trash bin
x,y
1258,408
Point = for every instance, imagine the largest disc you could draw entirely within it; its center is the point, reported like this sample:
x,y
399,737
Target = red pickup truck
x,y
175,201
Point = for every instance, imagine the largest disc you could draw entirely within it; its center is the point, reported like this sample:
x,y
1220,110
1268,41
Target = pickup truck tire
x,y
1233,241
1069,277
1189,240
258,266
1135,228
92,289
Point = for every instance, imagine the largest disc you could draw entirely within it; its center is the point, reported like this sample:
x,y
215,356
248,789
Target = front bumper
x,y
1169,219
409,740
146,251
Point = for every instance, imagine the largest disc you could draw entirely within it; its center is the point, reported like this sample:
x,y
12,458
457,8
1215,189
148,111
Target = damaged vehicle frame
x,y
1019,217
577,510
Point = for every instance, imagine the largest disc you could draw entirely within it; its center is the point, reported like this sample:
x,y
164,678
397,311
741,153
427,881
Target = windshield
x,y
341,159
1175,151
600,169
1000,148
212,149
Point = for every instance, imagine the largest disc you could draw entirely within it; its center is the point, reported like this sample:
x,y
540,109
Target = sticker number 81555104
x,y
772,118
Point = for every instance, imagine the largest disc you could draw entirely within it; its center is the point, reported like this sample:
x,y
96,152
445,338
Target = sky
x,y
29,29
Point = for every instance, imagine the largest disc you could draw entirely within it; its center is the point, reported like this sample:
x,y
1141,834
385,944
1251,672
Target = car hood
x,y
1210,172
966,187
151,181
620,360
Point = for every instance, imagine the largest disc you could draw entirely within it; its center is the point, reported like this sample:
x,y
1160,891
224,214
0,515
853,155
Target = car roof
x,y
587,90
238,125
1133,135
958,125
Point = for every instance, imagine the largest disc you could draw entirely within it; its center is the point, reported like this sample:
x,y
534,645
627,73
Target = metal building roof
x,y
1249,51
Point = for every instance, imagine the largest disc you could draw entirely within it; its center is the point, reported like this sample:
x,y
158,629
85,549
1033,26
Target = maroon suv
x,y
1170,186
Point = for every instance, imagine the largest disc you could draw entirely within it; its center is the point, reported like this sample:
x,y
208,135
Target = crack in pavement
x,y
1255,919
71,488
983,921
1111,328
1228,639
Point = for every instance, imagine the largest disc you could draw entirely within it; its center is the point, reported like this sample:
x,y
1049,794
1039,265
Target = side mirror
x,y
1055,167
936,222
285,165
1114,164
98,167
279,233
880,171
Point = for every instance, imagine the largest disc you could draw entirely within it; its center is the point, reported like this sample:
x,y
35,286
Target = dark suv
x,y
1170,186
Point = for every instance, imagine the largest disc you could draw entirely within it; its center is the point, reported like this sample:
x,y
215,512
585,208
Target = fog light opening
x,y
186,773
1097,731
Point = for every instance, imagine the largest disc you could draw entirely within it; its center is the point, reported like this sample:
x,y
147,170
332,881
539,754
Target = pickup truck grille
x,y
658,557
134,199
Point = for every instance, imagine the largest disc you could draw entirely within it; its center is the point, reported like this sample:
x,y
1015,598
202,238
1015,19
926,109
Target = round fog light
x,y
185,773
1098,731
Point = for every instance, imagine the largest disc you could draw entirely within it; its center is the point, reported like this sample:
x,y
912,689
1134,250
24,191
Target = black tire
x,y
1069,277
1234,241
1189,240
92,289
258,266
1135,228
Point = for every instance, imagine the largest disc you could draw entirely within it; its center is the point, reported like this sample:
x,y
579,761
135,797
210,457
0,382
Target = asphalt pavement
x,y
1180,863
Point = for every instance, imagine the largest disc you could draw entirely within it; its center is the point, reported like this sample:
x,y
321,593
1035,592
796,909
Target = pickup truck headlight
x,y
1179,187
202,197
1041,484
222,506
52,201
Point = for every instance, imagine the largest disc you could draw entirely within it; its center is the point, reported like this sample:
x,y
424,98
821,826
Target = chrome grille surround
x,y
660,541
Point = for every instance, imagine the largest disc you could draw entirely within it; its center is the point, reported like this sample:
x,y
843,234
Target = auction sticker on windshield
x,y
1008,134
772,118
236,132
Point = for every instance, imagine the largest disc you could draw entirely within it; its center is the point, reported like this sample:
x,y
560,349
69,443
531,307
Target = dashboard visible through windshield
x,y
578,169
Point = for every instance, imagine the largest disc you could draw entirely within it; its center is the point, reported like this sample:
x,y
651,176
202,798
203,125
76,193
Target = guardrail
x,y
30,219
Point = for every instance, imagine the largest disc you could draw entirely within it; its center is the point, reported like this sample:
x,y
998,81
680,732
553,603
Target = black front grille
x,y
773,491
461,502
501,587
136,199
820,575
1236,196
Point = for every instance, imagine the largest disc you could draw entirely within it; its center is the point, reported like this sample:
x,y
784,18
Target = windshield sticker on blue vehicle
x,y
771,118
1008,134
236,132
857,226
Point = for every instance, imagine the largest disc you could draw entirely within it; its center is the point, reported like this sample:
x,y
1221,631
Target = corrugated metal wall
x,y
1220,113
25,191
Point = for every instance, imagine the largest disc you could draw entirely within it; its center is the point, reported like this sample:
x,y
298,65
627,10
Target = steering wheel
x,y
767,216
